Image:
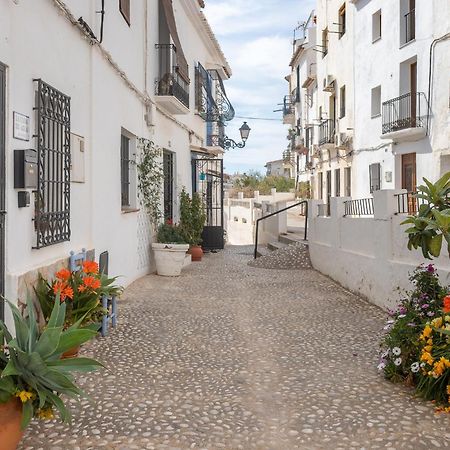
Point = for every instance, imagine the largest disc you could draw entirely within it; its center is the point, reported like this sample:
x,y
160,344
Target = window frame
x,y
337,182
342,20
377,20
348,181
377,114
125,178
372,185
342,102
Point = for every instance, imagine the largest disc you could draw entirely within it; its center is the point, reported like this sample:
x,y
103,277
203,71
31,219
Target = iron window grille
x,y
375,177
410,26
326,132
125,171
168,169
52,200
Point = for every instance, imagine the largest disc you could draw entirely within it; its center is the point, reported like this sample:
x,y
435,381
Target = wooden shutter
x,y
375,177
124,8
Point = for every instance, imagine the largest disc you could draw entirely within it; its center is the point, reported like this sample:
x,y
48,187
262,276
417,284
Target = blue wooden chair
x,y
109,303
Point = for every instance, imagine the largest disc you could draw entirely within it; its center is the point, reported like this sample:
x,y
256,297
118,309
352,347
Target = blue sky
x,y
256,37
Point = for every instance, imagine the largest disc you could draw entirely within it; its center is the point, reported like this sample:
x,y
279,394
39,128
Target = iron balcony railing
x,y
410,26
359,207
407,111
169,81
288,105
326,132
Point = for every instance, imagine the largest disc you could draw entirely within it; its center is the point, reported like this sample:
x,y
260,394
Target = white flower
x,y
401,316
415,367
381,366
397,361
387,327
385,354
389,322
396,351
422,364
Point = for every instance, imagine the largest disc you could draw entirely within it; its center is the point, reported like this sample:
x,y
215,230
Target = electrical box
x,y
25,169
23,199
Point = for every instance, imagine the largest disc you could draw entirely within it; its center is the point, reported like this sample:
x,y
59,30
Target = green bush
x,y
192,217
170,234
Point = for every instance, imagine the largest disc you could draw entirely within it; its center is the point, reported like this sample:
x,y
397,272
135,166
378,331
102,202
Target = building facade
x,y
381,114
78,98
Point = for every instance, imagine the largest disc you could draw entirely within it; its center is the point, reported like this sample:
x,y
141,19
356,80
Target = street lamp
x,y
226,143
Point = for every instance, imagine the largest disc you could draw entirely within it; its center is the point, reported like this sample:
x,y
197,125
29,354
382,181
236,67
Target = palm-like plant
x,y
31,367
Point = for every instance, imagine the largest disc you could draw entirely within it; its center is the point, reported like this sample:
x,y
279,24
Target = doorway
x,y
413,90
2,186
168,171
409,180
328,191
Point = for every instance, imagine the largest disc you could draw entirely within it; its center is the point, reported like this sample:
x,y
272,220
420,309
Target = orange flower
x,y
63,274
92,282
63,289
446,307
81,288
90,267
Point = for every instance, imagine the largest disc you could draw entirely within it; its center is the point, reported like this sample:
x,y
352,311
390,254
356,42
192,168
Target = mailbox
x,y
25,169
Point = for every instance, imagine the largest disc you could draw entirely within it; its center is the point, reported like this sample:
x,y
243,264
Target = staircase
x,y
293,236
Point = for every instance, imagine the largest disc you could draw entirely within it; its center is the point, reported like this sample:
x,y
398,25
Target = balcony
x,y
405,118
172,90
288,110
326,132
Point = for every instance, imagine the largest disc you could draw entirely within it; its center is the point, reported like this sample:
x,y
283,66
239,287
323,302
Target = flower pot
x,y
169,258
196,253
71,353
10,418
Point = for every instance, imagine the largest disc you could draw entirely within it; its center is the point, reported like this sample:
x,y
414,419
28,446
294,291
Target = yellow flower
x,y
430,342
427,358
24,396
447,318
437,323
428,348
426,333
440,366
46,413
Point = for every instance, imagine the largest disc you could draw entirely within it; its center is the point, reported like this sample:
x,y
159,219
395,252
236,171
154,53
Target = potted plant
x,y
192,221
170,250
32,374
81,291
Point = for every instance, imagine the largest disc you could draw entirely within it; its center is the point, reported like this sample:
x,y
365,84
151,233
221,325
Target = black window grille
x,y
125,170
52,200
337,182
168,165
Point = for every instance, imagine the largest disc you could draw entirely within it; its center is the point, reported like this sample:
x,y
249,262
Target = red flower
x,y
91,282
90,267
63,274
169,221
63,289
446,307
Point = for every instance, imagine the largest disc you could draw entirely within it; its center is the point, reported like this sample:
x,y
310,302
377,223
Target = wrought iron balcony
x,y
288,110
327,132
405,117
171,88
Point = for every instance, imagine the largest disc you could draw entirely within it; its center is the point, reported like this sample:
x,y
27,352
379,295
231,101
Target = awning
x,y
183,68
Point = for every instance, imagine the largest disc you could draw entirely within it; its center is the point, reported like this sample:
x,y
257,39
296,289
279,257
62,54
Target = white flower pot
x,y
169,258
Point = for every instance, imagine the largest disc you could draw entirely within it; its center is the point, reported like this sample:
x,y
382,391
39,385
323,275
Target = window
x,y
342,102
125,171
376,26
337,182
52,199
320,185
324,42
124,8
376,102
168,169
348,181
342,20
375,177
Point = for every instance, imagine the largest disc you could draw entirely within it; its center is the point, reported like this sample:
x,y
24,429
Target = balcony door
x,y
409,178
2,185
328,191
413,89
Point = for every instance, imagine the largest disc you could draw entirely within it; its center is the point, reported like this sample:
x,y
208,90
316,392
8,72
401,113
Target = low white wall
x,y
367,255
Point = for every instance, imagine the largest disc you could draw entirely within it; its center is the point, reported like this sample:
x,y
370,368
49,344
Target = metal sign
x,y
21,126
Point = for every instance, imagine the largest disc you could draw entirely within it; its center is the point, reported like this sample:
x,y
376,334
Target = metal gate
x,y
2,186
207,179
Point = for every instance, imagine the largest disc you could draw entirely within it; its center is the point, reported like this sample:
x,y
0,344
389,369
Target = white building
x,y
380,121
280,168
80,92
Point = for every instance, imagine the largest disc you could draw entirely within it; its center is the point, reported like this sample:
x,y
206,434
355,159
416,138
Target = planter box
x,y
169,258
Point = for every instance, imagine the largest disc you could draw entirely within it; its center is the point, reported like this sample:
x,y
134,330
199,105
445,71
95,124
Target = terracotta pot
x,y
196,253
71,353
10,418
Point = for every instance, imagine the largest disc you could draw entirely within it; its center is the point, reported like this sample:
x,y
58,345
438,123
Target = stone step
x,y
275,245
291,238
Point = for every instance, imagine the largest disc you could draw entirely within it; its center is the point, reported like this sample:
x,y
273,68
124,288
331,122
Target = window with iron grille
x,y
52,200
125,170
375,177
342,102
337,182
348,181
168,166
124,8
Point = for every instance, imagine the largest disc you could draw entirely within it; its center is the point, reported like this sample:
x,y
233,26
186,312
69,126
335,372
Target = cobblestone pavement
x,y
293,256
233,357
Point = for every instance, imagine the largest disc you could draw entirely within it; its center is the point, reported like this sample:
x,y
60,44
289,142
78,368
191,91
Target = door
x,y
409,179
413,84
207,177
328,191
2,185
168,185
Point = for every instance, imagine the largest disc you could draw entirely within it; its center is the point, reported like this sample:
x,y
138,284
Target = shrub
x,y
169,233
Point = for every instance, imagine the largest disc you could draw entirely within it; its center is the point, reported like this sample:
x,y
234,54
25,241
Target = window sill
x,y
407,43
130,210
375,116
376,39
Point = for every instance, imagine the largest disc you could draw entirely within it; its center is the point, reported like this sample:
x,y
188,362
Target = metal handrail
x,y
303,202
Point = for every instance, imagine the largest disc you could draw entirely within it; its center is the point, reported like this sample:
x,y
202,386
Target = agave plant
x,y
431,225
31,367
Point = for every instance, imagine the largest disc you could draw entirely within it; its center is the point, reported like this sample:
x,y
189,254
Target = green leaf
x,y
59,405
58,314
76,364
32,325
7,384
436,245
27,414
10,369
21,327
48,342
72,338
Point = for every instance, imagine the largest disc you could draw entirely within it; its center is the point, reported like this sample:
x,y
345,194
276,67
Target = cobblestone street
x,y
229,356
